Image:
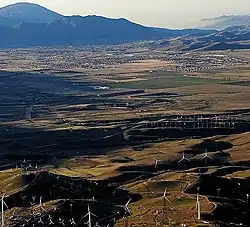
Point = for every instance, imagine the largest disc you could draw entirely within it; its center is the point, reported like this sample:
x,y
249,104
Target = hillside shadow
x,y
210,146
72,198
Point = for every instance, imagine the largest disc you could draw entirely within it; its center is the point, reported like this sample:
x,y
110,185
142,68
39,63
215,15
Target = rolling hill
x,y
231,38
222,22
233,33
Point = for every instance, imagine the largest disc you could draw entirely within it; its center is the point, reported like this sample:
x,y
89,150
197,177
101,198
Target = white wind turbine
x,y
3,204
218,191
198,207
164,204
184,158
247,198
41,204
156,163
165,196
89,214
127,212
126,208
206,156
40,221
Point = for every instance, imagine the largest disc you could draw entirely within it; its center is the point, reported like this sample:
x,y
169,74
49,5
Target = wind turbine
x,y
23,199
206,156
126,208
198,207
41,204
33,199
72,222
156,163
164,205
165,196
218,191
50,220
29,166
247,198
40,221
184,158
127,212
61,221
89,214
3,204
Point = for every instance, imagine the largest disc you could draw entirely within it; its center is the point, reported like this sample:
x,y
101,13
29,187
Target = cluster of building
x,y
101,57
202,61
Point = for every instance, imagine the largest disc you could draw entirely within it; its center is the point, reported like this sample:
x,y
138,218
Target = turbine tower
x,y
89,214
164,205
3,204
198,207
218,191
156,163
41,205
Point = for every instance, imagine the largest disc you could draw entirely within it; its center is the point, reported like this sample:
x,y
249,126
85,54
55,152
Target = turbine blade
x,y
128,202
165,192
168,200
94,215
180,160
85,215
127,209
5,204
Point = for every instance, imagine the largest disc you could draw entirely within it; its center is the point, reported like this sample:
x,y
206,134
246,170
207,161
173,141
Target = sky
x,y
159,13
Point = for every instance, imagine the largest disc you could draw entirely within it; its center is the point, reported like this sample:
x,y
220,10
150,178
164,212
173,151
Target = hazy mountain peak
x,y
28,12
222,22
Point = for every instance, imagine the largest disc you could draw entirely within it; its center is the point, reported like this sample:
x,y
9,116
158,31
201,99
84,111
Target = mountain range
x,y
27,25
223,22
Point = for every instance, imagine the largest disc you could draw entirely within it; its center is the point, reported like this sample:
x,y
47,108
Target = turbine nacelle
x,y
184,158
206,156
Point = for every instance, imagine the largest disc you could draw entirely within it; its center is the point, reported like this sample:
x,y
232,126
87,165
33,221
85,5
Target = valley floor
x,y
137,131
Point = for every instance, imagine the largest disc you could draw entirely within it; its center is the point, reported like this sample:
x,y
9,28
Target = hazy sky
x,y
161,13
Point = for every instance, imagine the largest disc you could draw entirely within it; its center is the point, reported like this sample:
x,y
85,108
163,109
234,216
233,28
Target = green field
x,y
240,83
169,81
